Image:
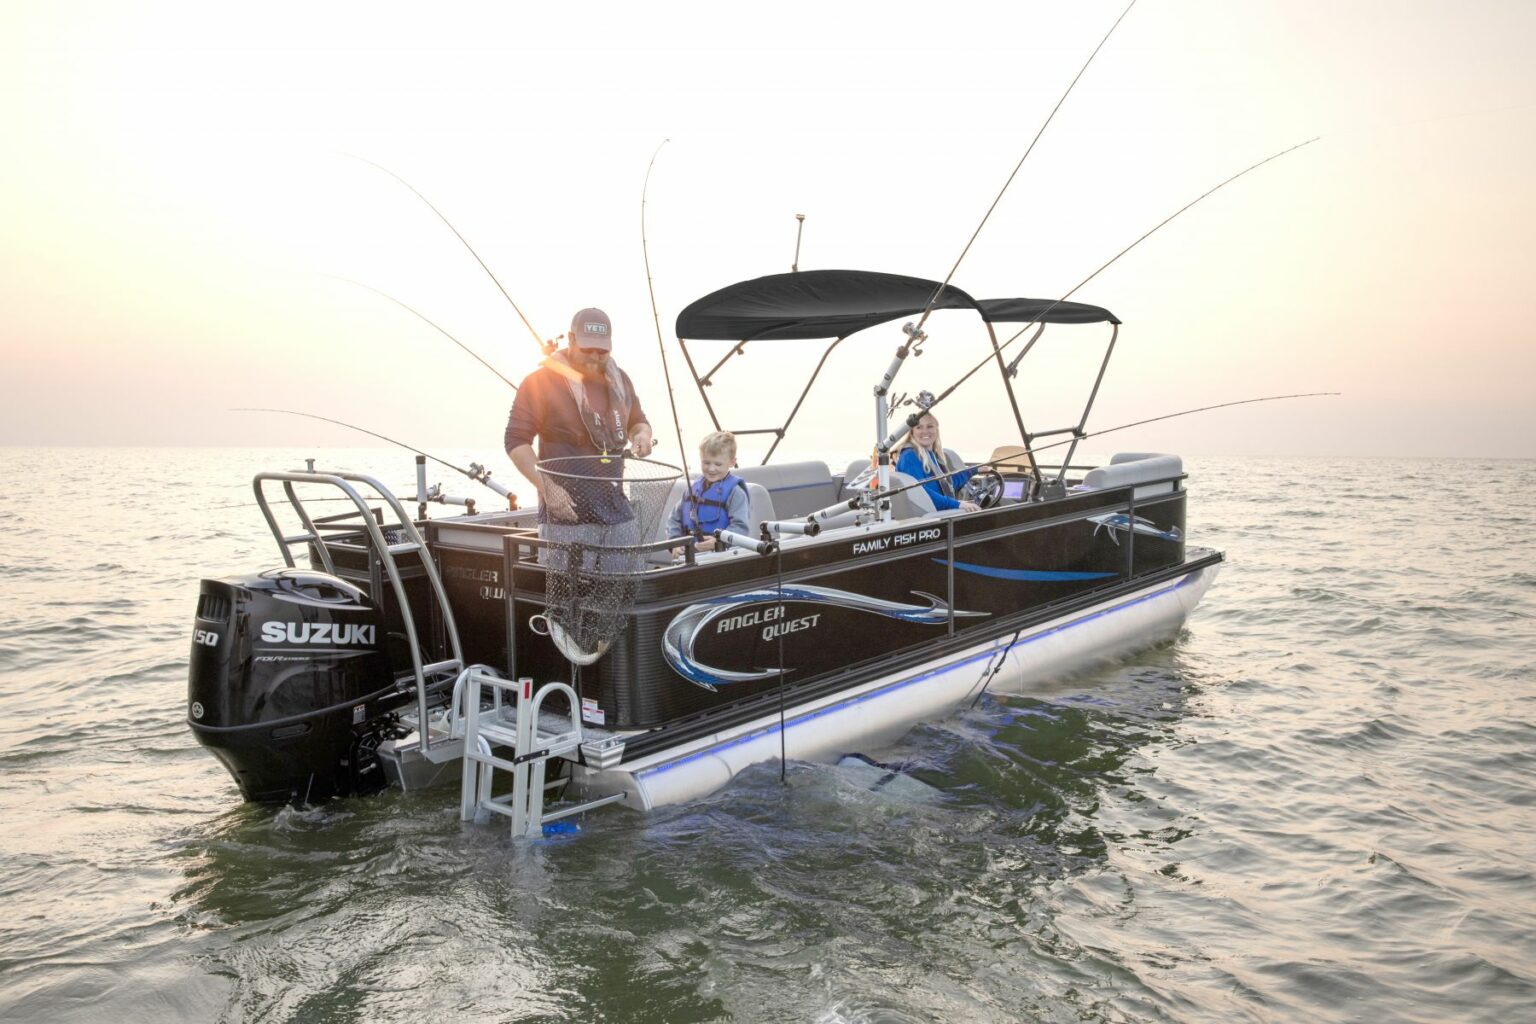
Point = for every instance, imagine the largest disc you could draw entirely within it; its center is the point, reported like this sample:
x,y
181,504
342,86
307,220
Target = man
x,y
583,409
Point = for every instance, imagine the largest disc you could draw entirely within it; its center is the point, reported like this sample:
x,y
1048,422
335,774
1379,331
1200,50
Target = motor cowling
x,y
285,671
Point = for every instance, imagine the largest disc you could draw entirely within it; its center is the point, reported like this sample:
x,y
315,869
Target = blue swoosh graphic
x,y
683,631
1028,575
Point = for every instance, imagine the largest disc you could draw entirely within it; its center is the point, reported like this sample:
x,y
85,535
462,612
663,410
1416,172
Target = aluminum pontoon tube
x,y
883,709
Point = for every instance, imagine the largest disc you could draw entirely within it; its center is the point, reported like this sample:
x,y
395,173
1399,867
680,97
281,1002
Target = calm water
x,y
1316,804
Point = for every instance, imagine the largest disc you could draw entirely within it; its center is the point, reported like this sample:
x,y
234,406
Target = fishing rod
x,y
1186,412
476,472
842,507
1038,321
914,331
650,286
430,323
545,347
928,310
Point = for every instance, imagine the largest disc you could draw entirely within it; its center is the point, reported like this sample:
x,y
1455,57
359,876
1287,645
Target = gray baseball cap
x,y
591,329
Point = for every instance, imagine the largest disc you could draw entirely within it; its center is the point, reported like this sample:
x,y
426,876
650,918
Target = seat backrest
x,y
1012,458
906,505
911,503
855,467
1134,471
759,507
759,510
797,488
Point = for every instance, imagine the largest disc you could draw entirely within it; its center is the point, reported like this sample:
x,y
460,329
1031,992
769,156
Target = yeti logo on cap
x,y
591,328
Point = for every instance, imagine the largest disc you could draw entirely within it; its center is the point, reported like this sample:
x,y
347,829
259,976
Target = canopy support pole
x,y
1077,433
698,383
1013,401
805,391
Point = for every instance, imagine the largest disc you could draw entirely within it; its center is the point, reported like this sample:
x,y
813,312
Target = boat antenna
x,y
927,310
794,268
545,347
1160,224
1188,412
431,324
650,286
477,473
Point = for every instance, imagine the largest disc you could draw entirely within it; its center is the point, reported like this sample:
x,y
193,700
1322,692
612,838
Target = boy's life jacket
x,y
704,509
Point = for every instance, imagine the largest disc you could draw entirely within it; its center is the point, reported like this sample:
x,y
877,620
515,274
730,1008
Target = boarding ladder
x,y
534,736
403,526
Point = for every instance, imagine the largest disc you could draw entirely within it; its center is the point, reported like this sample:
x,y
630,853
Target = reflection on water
x,y
1312,804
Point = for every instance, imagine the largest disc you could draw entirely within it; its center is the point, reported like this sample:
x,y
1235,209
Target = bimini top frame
x,y
835,304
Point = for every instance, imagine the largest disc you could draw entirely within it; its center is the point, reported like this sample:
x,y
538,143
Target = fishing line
x,y
656,319
993,667
544,347
429,323
783,757
935,297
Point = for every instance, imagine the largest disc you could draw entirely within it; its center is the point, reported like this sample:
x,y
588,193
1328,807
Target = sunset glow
x,y
183,211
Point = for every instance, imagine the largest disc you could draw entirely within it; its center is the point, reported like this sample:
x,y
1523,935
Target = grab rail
x,y
386,554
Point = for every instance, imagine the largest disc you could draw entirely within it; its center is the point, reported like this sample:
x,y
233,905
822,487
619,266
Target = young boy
x,y
717,499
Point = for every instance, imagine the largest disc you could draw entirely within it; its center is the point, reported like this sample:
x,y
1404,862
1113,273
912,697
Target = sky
x,y
192,221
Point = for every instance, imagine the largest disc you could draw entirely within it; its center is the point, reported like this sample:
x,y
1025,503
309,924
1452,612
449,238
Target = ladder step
x,y
566,812
301,538
404,547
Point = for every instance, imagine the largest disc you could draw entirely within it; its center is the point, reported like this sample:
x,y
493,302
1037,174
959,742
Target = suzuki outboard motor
x,y
284,668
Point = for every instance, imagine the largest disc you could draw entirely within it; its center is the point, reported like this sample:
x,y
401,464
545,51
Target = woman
x,y
921,456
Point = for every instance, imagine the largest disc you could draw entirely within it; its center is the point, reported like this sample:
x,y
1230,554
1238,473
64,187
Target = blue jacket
x,y
722,505
910,463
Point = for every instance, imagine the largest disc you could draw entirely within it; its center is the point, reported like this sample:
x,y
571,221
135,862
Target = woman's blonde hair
x,y
721,442
934,461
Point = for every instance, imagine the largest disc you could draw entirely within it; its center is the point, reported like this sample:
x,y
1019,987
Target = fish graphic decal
x,y
1119,522
685,628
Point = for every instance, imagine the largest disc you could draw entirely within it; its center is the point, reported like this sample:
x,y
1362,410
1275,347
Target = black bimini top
x,y
837,303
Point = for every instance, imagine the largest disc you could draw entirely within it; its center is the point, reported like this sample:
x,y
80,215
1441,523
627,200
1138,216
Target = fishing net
x,y
598,512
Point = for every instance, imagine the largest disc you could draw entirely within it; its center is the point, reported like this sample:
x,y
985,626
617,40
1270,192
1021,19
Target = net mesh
x,y
598,512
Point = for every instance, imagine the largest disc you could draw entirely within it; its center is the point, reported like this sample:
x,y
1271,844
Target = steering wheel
x,y
985,488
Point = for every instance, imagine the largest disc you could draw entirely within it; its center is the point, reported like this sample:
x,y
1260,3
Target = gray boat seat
x,y
760,507
910,504
855,467
759,510
1136,468
796,488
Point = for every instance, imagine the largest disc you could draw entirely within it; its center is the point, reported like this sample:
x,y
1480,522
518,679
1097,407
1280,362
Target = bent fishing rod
x,y
1186,412
934,298
863,499
914,331
476,472
430,323
912,418
650,286
545,346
